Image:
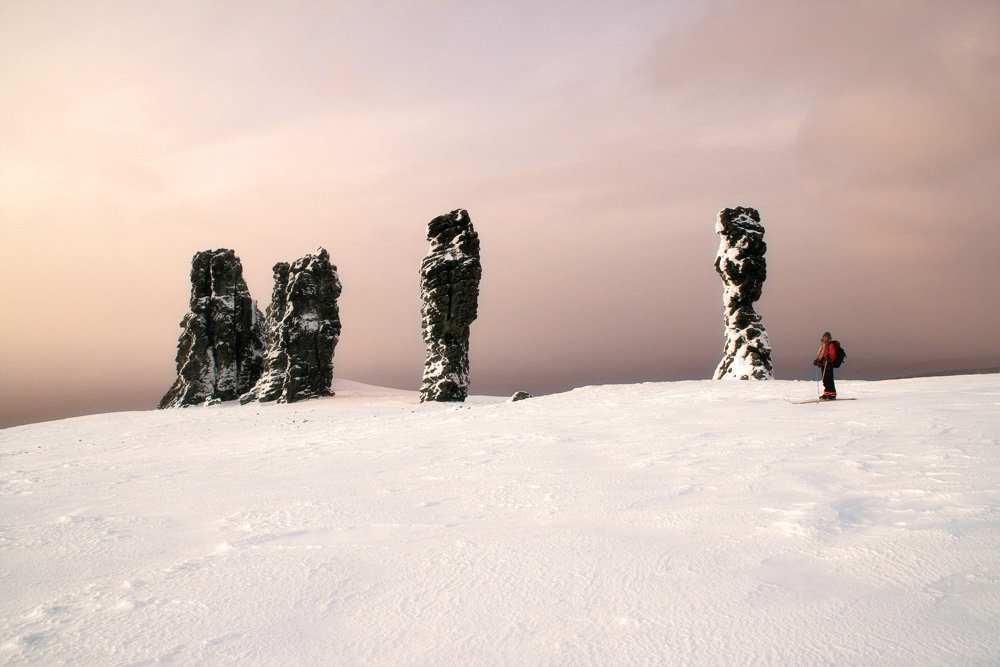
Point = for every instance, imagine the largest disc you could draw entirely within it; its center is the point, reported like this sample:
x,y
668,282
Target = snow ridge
x,y
686,523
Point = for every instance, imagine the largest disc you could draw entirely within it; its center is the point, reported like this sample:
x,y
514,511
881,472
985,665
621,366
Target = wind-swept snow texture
x,y
449,287
740,263
687,523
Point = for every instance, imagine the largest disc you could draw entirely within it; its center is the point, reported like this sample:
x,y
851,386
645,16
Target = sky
x,y
593,144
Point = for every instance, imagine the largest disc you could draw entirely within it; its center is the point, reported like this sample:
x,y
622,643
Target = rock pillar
x,y
303,328
740,263
449,286
220,349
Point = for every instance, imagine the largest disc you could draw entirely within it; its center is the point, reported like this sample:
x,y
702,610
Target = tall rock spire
x,y
740,263
449,286
303,328
220,349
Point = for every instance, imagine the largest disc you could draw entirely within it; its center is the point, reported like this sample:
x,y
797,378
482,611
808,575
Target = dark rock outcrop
x,y
220,349
520,396
303,328
271,382
740,263
449,286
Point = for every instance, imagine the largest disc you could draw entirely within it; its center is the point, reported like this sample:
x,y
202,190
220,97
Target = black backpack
x,y
841,355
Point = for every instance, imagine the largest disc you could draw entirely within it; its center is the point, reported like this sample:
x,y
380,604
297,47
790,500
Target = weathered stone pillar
x,y
740,263
303,328
220,349
449,286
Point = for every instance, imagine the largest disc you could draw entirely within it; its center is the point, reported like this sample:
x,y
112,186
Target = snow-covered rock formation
x,y
303,328
271,381
220,349
449,286
740,263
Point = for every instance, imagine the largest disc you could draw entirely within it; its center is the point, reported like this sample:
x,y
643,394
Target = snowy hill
x,y
674,523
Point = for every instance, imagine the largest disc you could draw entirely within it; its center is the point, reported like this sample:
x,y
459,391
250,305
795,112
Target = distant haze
x,y
593,144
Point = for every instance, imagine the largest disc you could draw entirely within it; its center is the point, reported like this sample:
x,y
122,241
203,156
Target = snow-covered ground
x,y
672,523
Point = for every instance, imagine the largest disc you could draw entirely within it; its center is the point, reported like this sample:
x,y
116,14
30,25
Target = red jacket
x,y
828,352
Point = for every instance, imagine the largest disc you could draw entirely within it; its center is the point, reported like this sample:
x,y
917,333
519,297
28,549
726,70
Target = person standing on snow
x,y
825,359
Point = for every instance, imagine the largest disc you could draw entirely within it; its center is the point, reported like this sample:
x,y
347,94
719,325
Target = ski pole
x,y
821,369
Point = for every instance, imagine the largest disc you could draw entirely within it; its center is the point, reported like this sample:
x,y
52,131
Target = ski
x,y
818,400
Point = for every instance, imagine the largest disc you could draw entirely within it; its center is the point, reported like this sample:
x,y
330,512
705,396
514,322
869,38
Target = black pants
x,y
829,389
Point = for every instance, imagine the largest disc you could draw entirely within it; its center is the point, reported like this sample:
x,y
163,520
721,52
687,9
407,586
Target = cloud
x,y
890,91
894,133
889,143
593,145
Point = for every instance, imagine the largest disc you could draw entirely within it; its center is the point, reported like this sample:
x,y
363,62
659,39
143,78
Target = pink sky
x,y
593,144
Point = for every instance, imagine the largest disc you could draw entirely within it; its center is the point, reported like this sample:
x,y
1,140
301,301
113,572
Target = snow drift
x,y
673,523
